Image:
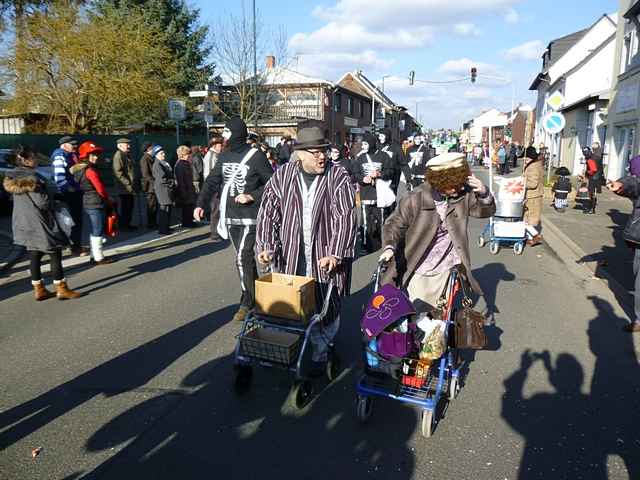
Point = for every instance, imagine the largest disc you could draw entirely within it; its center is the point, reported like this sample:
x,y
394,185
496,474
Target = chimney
x,y
271,62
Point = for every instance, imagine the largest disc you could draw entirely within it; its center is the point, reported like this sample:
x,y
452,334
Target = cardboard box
x,y
286,296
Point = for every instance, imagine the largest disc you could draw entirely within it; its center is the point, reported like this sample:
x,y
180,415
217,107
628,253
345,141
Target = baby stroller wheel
x,y
364,408
427,423
494,247
242,378
518,248
333,365
301,394
481,241
454,388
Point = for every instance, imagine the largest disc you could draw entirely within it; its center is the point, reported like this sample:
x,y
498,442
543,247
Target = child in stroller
x,y
561,189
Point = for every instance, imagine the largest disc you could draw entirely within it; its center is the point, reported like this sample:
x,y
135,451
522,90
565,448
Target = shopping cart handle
x,y
327,299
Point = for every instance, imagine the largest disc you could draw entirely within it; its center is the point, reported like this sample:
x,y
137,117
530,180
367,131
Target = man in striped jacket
x,y
62,159
307,226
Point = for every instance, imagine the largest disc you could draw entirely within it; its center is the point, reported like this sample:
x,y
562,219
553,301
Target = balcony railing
x,y
284,113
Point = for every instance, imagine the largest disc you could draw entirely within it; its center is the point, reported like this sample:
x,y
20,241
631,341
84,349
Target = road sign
x,y
208,118
556,101
554,122
177,109
207,106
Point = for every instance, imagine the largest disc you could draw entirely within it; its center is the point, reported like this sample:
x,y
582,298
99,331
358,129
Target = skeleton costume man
x,y
418,155
240,175
397,157
371,164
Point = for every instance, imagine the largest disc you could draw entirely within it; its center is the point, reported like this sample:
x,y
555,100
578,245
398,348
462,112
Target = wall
x,y
592,77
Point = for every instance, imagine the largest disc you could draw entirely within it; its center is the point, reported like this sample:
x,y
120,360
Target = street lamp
x,y
383,77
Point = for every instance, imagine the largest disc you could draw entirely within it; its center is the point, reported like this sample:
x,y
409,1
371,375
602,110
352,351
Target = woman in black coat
x,y
186,194
35,226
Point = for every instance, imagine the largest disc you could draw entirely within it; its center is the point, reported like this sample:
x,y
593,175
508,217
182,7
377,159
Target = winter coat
x,y
208,163
562,187
631,189
124,173
534,177
33,222
280,226
197,165
185,189
164,182
412,227
94,193
146,171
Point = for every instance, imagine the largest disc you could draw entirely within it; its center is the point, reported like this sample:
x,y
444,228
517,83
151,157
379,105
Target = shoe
x,y
63,292
241,314
104,261
40,291
79,251
632,327
217,239
537,240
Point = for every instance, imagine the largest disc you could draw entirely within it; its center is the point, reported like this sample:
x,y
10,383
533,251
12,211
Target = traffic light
x,y
412,77
474,74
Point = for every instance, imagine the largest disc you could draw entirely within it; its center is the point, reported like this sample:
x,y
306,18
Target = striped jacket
x,y
62,163
279,228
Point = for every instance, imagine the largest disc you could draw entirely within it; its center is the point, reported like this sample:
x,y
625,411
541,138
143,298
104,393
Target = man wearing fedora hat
x,y
307,225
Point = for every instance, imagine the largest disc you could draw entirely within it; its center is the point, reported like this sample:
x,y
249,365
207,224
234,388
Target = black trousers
x,y
164,219
126,210
55,260
243,238
74,202
372,228
215,217
152,209
187,215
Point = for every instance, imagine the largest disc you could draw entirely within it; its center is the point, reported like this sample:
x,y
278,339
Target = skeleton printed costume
x,y
418,155
371,161
396,155
239,170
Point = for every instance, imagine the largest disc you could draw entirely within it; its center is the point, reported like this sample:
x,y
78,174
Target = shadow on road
x,y
126,372
570,434
489,276
217,433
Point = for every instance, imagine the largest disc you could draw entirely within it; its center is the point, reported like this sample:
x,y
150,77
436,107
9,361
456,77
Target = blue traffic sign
x,y
554,122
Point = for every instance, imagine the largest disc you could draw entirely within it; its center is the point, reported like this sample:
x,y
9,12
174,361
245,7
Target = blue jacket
x,y
62,162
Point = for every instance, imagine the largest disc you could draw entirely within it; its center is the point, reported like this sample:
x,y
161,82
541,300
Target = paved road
x,y
133,381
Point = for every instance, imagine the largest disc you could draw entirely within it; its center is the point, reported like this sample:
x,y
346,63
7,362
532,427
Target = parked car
x,y
7,163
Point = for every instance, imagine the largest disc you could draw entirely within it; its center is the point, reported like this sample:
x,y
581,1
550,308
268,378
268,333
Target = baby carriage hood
x,y
388,305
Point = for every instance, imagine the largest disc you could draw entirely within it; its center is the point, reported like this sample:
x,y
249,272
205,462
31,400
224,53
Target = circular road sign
x,y
554,122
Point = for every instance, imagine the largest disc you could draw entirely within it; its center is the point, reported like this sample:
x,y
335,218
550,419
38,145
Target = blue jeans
x,y
96,220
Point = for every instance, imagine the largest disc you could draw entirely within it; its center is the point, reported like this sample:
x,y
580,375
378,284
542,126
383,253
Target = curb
x,y
127,246
570,253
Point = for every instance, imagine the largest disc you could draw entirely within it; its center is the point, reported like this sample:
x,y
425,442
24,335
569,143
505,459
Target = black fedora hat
x,y
311,137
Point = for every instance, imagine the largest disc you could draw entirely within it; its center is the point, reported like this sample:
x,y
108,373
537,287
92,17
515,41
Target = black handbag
x,y
631,233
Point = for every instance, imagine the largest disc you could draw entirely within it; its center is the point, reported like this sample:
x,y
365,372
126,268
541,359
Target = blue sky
x,y
438,39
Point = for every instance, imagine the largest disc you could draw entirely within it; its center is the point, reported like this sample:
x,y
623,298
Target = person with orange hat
x,y
95,200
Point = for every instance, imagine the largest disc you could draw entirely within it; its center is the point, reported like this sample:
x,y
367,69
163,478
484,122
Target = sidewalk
x,y
595,241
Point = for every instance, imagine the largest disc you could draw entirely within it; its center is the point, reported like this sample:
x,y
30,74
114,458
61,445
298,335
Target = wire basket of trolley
x,y
284,329
413,358
506,226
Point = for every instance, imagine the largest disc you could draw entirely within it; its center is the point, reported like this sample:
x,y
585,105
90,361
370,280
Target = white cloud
x,y
331,66
462,67
466,29
477,93
527,51
512,16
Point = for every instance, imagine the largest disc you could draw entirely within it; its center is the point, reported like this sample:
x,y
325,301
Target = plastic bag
x,y
64,218
434,343
384,195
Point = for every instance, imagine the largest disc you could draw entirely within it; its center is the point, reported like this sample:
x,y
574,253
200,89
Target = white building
x,y
577,66
494,119
624,109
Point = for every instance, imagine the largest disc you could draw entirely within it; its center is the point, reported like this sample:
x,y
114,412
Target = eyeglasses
x,y
316,153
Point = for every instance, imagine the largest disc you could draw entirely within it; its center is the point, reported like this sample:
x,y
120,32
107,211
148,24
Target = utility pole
x,y
255,70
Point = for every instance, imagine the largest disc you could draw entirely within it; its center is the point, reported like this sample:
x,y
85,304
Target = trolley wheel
x,y
242,378
301,393
494,247
518,248
427,423
364,408
481,241
454,388
333,366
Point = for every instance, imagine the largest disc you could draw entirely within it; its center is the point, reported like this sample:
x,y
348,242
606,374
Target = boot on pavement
x,y
40,291
536,240
63,292
241,314
97,255
632,327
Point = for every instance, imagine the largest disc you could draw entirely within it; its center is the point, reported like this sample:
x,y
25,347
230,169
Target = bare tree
x,y
233,53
